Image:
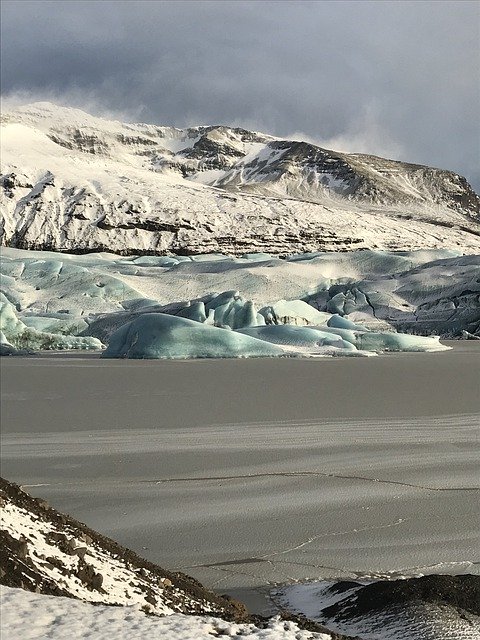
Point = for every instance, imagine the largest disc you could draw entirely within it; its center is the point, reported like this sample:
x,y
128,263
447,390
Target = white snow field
x,y
31,616
74,182
322,304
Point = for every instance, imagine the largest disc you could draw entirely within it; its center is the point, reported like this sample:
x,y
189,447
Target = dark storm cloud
x,y
395,78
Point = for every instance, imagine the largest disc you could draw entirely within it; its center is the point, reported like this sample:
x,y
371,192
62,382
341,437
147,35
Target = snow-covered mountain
x,y
74,182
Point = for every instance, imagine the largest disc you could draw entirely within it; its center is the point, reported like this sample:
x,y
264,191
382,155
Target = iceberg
x,y
7,349
300,337
372,341
340,322
231,310
194,311
17,335
293,312
66,325
363,298
158,335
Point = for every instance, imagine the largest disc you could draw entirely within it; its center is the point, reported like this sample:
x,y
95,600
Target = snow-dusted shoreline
x,y
54,556
35,617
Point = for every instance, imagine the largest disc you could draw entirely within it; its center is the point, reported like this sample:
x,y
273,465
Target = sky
x,y
395,78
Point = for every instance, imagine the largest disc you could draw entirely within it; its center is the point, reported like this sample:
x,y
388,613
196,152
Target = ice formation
x,y
365,300
17,335
293,312
310,339
159,335
374,341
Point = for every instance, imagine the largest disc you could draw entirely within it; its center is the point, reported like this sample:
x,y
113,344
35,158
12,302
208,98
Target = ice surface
x,y
20,336
293,312
340,322
158,335
51,324
174,450
371,341
293,336
343,294
194,311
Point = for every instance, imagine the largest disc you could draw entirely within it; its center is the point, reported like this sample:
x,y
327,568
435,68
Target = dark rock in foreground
x,y
461,592
432,607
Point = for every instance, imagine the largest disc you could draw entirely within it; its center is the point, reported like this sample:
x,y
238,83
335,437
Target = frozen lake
x,y
245,473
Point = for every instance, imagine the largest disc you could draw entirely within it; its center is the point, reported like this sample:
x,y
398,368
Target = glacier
x,y
317,304
18,337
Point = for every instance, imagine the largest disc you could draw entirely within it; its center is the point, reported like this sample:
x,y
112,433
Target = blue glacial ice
x,y
369,300
237,313
158,335
326,341
340,322
20,337
293,312
373,341
311,340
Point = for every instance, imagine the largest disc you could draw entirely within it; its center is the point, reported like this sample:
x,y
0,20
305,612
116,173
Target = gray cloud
x,y
393,78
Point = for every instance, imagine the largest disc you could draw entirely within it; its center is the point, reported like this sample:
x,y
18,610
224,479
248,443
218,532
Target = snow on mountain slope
x,y
53,568
51,553
306,172
74,182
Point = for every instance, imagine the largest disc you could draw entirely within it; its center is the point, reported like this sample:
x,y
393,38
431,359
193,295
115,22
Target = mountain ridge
x,y
75,182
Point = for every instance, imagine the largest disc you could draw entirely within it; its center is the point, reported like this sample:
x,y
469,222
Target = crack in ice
x,y
338,533
273,474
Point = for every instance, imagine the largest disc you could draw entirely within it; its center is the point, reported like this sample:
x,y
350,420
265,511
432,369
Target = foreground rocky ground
x,y
47,552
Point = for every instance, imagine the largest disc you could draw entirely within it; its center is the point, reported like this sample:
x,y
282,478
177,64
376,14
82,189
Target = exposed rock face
x,y
461,592
433,607
72,182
